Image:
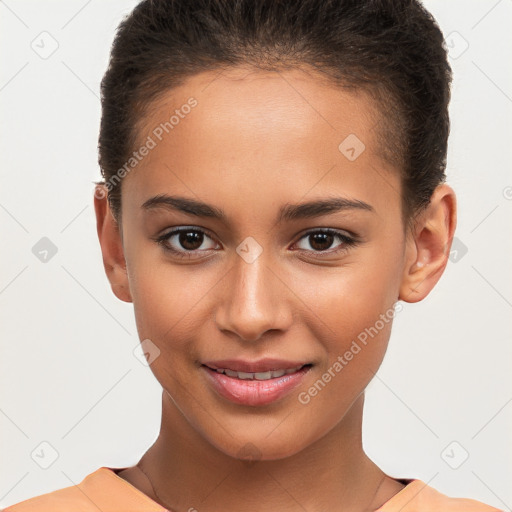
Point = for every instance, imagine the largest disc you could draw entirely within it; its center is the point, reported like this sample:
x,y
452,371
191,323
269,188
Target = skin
x,y
255,142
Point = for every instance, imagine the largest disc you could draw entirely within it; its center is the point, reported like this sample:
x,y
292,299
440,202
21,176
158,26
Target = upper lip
x,y
261,365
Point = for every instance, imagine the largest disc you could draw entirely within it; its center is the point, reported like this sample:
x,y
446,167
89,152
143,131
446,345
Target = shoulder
x,y
417,496
101,490
61,500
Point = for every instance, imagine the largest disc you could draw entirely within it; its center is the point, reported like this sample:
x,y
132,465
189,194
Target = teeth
x,y
273,374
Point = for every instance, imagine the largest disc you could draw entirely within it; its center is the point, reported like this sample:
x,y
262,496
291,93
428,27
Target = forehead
x,y
261,103
281,135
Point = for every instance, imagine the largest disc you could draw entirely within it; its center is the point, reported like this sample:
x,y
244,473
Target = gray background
x,y
69,377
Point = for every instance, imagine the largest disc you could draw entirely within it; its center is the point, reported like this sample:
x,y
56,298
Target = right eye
x,y
185,242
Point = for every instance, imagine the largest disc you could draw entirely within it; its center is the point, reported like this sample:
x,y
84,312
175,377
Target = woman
x,y
273,185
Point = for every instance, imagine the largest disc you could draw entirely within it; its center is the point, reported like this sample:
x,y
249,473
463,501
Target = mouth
x,y
266,375
255,388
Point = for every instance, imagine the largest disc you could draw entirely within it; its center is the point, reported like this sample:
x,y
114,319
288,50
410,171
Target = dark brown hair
x,y
392,49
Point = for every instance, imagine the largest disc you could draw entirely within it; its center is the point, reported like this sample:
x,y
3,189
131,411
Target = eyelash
x,y
348,242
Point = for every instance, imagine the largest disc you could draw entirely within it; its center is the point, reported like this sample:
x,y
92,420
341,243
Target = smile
x,y
258,375
255,389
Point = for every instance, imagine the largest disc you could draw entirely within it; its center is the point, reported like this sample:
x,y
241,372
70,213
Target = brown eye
x,y
320,241
190,240
186,241
324,240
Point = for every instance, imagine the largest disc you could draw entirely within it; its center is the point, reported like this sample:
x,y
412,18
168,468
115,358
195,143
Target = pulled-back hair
x,y
392,49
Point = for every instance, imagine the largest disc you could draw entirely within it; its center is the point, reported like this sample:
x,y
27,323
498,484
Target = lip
x,y
254,392
262,365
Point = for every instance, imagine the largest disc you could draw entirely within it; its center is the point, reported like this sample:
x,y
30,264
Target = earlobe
x,y
111,245
428,247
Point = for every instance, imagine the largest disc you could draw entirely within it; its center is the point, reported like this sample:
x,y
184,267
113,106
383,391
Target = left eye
x,y
322,240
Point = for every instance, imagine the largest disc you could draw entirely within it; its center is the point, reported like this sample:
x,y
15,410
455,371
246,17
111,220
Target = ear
x,y
428,245
111,245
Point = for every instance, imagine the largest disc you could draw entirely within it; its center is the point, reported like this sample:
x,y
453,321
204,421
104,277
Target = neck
x,y
333,473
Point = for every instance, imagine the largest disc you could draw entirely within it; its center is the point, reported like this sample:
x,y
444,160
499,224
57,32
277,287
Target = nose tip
x,y
247,317
253,302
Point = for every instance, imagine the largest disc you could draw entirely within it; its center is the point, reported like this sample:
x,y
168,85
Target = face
x,y
292,248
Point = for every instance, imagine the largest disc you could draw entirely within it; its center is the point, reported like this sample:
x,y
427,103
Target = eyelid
x,y
333,231
177,229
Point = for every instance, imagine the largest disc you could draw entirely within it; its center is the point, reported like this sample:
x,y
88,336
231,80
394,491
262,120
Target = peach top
x,y
105,491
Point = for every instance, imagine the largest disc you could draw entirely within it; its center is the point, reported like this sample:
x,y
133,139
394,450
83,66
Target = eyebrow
x,y
289,212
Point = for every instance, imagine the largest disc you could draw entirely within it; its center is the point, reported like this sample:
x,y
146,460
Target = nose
x,y
254,301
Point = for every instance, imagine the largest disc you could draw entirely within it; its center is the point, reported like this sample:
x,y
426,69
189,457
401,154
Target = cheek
x,y
167,312
165,300
350,311
353,326
351,298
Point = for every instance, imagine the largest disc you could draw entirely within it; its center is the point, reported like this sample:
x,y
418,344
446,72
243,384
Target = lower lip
x,y
254,392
